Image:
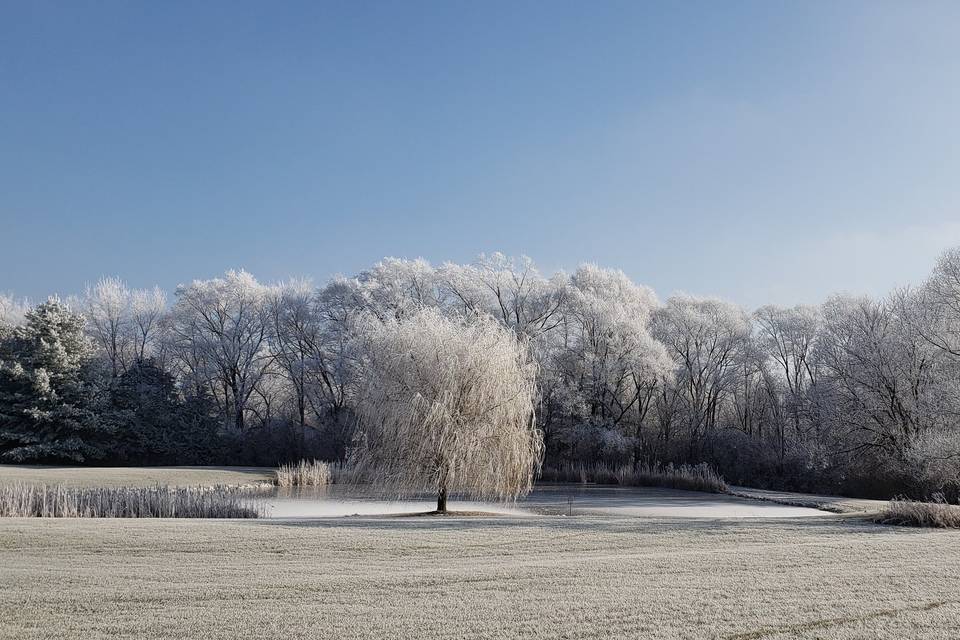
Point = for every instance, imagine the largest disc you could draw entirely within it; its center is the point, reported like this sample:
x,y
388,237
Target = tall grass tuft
x,y
938,513
699,477
315,473
30,501
304,474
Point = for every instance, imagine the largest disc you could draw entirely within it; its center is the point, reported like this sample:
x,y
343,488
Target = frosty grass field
x,y
603,573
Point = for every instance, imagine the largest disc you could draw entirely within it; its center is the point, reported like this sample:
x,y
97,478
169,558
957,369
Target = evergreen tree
x,y
200,440
46,402
142,410
153,425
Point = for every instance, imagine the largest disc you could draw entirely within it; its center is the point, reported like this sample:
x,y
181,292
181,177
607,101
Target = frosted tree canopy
x,y
429,377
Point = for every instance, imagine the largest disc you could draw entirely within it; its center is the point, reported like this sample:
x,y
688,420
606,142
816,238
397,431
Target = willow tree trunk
x,y
442,500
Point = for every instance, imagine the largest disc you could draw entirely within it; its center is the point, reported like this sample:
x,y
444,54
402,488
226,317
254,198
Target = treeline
x,y
857,395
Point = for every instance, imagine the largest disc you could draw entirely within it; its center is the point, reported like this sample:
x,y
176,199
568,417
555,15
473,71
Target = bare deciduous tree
x,y
220,329
12,311
609,363
511,290
147,307
396,288
940,307
106,306
707,339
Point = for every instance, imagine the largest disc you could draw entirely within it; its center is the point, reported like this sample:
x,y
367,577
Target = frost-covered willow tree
x,y
448,407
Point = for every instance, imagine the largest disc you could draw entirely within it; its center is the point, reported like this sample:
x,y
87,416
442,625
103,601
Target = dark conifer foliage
x,y
47,405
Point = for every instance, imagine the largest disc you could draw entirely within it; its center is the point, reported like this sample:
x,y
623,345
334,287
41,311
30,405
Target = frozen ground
x,y
581,562
566,500
832,577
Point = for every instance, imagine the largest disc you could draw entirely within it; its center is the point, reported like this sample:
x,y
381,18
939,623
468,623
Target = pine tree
x,y
46,403
152,424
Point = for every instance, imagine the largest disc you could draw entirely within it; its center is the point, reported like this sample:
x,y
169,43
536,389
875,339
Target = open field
x,y
545,577
627,562
134,476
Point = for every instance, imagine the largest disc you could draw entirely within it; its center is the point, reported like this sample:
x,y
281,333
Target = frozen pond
x,y
314,504
573,500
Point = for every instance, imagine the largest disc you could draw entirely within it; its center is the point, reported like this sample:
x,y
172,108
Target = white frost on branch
x,y
12,311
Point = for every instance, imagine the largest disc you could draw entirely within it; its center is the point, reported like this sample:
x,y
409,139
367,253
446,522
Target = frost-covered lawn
x,y
134,476
543,576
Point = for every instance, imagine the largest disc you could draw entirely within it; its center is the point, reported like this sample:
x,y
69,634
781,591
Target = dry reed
x,y
700,477
315,473
31,501
939,513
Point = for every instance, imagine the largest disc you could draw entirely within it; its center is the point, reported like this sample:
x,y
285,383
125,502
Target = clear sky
x,y
759,151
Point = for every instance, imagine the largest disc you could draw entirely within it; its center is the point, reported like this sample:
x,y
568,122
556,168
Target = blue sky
x,y
759,151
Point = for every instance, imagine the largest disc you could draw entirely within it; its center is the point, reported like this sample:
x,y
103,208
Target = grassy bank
x,y
135,476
